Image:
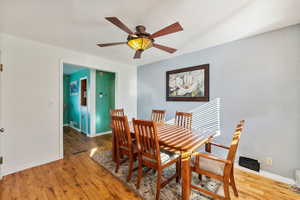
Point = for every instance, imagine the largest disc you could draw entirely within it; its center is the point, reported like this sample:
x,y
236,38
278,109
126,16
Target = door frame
x,y
92,101
87,101
1,124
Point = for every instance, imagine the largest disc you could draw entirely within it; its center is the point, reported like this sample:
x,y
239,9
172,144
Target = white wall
x,y
31,98
258,80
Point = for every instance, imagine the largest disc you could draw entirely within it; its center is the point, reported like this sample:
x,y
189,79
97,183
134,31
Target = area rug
x,y
147,191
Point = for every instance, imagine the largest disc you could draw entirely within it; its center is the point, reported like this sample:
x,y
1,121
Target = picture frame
x,y
188,84
74,88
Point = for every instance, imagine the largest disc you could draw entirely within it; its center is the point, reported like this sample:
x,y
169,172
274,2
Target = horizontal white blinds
x,y
206,118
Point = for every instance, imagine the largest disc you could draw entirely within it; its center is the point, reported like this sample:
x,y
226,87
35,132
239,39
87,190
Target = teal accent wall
x,y
105,84
75,111
66,92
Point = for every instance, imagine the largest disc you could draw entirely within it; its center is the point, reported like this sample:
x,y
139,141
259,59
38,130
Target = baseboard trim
x,y
77,129
267,174
73,127
101,133
27,166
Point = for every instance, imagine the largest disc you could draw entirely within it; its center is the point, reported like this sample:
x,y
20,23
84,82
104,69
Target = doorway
x,y
1,129
88,97
84,111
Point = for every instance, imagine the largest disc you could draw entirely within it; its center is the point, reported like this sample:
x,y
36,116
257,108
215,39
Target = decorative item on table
x,y
188,84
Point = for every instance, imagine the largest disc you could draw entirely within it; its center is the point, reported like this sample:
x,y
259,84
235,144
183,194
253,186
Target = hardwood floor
x,y
77,177
76,142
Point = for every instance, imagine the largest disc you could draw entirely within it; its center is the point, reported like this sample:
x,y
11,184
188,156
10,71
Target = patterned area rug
x,y
147,191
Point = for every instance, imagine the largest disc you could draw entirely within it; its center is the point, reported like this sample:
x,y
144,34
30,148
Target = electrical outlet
x,y
269,161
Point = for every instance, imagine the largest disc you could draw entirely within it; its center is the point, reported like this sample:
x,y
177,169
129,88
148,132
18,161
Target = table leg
x,y
186,176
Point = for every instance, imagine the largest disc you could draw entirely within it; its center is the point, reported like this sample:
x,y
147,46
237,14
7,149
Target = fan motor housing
x,y
140,33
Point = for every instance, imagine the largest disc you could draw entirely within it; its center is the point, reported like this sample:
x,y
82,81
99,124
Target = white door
x,y
1,129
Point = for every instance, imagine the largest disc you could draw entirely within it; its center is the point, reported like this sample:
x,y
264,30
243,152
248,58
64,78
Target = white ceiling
x,y
80,24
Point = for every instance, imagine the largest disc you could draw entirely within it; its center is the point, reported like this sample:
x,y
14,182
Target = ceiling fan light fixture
x,y
141,40
140,43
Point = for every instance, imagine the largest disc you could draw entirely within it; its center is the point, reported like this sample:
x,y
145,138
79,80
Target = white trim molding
x,y
101,133
92,102
77,129
61,110
29,165
1,122
267,174
86,108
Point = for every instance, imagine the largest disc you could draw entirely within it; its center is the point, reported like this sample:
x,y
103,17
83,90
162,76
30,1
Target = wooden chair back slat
x,y
149,153
235,141
158,116
117,112
121,130
147,139
184,120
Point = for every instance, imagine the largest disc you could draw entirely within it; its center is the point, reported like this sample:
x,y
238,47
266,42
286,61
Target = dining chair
x,y
124,143
218,168
150,155
158,116
183,119
117,112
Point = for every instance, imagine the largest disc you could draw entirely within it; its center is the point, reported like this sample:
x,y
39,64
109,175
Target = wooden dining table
x,y
184,142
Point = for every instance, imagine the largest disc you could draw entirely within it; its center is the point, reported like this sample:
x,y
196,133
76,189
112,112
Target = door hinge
x,y
1,67
1,160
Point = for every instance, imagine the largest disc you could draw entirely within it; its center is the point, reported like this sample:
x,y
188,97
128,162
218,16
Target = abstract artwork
x,y
74,88
188,84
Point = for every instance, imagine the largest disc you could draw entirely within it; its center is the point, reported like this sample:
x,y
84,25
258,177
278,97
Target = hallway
x,y
76,142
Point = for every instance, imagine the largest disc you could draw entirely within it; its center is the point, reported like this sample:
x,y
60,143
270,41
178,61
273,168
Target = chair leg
x,y
158,183
226,190
200,177
208,147
178,170
139,174
130,168
117,161
232,182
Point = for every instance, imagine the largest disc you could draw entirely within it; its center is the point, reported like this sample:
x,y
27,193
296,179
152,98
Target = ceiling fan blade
x,y
173,28
137,54
118,23
164,48
111,44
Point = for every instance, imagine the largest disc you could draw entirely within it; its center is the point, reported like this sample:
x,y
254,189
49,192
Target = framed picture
x,y
188,84
74,88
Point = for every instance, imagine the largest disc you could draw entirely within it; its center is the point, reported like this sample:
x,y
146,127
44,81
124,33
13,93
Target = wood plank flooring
x,y
77,177
76,142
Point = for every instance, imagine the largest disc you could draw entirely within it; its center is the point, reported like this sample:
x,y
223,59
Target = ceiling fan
x,y
141,40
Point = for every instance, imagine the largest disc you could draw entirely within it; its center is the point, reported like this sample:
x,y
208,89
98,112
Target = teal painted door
x,y
105,99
